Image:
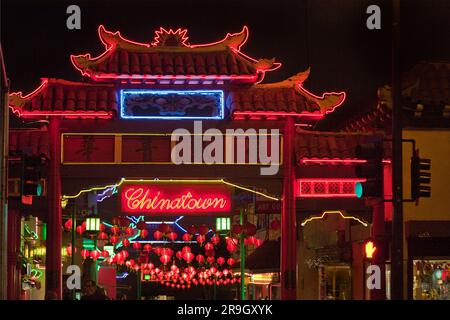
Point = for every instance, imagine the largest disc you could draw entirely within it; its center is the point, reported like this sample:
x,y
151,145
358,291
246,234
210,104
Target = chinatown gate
x,y
108,138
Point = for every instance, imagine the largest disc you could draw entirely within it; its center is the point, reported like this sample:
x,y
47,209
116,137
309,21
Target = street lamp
x,y
93,224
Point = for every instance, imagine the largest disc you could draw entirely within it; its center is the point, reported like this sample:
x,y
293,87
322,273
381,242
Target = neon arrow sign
x,y
186,199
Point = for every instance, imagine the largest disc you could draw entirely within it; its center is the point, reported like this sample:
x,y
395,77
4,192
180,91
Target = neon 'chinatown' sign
x,y
175,198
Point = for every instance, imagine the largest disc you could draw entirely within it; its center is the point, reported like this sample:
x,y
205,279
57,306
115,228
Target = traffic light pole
x,y
397,174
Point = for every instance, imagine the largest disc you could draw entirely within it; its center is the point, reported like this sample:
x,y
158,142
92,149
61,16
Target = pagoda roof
x,y
281,99
57,97
273,101
330,146
171,59
425,101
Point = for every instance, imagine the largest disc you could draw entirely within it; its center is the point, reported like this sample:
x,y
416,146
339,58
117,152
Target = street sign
x,y
268,207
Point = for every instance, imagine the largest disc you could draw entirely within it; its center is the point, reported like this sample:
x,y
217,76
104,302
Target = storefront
x,y
428,260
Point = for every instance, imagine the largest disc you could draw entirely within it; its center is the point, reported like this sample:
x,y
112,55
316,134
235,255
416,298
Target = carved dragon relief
x,y
326,102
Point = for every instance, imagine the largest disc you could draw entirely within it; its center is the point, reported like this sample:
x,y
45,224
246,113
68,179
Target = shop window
x,y
335,282
431,279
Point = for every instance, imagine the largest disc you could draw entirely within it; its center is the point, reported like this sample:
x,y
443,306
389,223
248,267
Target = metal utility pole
x,y
397,174
4,119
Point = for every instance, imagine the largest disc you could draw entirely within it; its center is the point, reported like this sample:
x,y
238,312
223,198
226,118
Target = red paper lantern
x,y
69,250
275,224
203,229
251,240
105,254
209,246
179,255
164,259
148,247
236,228
115,230
200,258
210,260
215,240
124,253
186,237
126,243
114,239
231,248
220,260
192,230
186,249
102,236
157,250
144,234
68,225
129,231
230,261
200,239
80,230
85,253
141,225
136,245
188,256
102,227
157,234
167,251
115,220
172,236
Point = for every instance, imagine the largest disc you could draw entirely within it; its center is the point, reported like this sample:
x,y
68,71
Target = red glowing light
x,y
337,161
258,114
175,198
370,249
326,183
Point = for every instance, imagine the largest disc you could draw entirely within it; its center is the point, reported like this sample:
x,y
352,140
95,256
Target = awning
x,y
265,258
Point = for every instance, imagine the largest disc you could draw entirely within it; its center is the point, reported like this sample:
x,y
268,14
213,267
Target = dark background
x,y
328,35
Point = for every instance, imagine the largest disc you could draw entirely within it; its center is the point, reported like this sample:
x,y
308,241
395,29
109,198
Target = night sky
x,y
328,35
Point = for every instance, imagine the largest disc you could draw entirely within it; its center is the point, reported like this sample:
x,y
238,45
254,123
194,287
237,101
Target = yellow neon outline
x,y
199,181
365,224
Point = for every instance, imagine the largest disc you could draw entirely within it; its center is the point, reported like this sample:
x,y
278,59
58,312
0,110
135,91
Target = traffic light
x,y
31,176
369,249
376,249
420,177
371,170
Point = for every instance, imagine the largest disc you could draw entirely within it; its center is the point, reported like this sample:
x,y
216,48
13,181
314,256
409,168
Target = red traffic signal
x,y
369,249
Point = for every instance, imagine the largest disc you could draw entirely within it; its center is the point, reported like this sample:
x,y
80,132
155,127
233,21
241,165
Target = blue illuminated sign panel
x,y
171,104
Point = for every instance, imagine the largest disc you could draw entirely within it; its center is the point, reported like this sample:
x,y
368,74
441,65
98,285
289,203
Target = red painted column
x,y
378,227
13,267
288,264
53,275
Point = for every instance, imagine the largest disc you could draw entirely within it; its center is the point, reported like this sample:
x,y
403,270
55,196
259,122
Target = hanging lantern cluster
x,y
184,278
165,231
248,230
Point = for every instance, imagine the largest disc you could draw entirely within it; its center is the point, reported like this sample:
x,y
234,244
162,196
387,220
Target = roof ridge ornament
x,y
327,103
170,38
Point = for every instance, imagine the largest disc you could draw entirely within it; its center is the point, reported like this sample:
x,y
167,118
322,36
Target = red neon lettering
x,y
158,199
